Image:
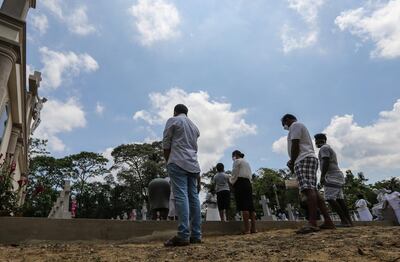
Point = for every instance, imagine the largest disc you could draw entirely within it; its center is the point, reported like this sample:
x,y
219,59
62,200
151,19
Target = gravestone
x,y
144,212
377,209
289,209
60,208
267,212
354,216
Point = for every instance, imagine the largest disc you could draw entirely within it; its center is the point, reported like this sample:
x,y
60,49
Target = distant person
x,y
243,191
304,164
332,179
180,152
221,182
362,209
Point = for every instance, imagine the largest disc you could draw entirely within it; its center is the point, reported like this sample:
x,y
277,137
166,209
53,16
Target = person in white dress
x,y
362,209
212,213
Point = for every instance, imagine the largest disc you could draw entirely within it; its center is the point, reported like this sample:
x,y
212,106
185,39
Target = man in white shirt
x,y
180,152
304,164
332,179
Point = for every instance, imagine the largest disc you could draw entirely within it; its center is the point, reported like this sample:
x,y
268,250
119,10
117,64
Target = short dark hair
x,y
181,109
288,117
237,153
320,136
220,167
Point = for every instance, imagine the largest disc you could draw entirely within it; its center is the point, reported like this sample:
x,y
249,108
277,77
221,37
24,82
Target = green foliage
x,y
8,196
81,168
267,182
37,147
354,185
136,165
46,177
393,184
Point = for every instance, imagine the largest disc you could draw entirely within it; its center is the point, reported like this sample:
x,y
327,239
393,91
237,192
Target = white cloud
x,y
308,9
40,23
76,19
155,20
99,108
294,39
372,148
53,6
219,125
59,65
59,117
379,23
280,146
78,22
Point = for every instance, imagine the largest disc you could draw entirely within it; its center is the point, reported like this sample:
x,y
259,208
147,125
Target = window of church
x,y
3,122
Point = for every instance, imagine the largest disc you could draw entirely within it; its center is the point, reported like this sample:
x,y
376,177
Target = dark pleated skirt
x,y
243,192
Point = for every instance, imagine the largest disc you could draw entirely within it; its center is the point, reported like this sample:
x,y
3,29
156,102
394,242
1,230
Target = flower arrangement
x,y
8,197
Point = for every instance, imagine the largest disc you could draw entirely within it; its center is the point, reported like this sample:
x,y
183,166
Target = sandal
x,y
307,230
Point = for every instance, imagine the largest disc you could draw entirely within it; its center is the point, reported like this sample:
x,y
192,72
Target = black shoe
x,y
176,242
195,241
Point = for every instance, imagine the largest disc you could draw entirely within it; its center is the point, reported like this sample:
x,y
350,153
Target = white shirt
x,y
241,168
180,136
299,131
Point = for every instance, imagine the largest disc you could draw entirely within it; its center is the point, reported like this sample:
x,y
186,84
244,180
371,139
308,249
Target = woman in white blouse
x,y
243,191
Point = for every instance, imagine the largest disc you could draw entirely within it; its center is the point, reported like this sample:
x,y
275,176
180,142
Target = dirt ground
x,y
355,244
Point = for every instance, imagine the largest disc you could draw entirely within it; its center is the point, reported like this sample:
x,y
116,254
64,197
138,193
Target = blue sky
x,y
239,65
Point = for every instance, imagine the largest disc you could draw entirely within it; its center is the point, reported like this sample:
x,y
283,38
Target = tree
x,y
85,166
268,181
355,185
136,166
37,147
46,177
392,184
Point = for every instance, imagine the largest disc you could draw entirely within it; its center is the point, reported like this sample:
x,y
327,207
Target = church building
x,y
20,104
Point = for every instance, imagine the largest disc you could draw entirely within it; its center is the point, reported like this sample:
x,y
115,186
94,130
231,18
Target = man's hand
x,y
167,152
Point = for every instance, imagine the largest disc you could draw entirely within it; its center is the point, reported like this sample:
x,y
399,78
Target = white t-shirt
x,y
299,131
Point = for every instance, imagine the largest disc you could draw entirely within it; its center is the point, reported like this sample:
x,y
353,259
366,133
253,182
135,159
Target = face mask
x,y
286,127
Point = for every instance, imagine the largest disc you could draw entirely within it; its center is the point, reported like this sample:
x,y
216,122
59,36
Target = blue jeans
x,y
187,203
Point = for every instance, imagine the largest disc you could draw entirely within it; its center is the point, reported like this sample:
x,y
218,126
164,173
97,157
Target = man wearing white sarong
x,y
362,209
